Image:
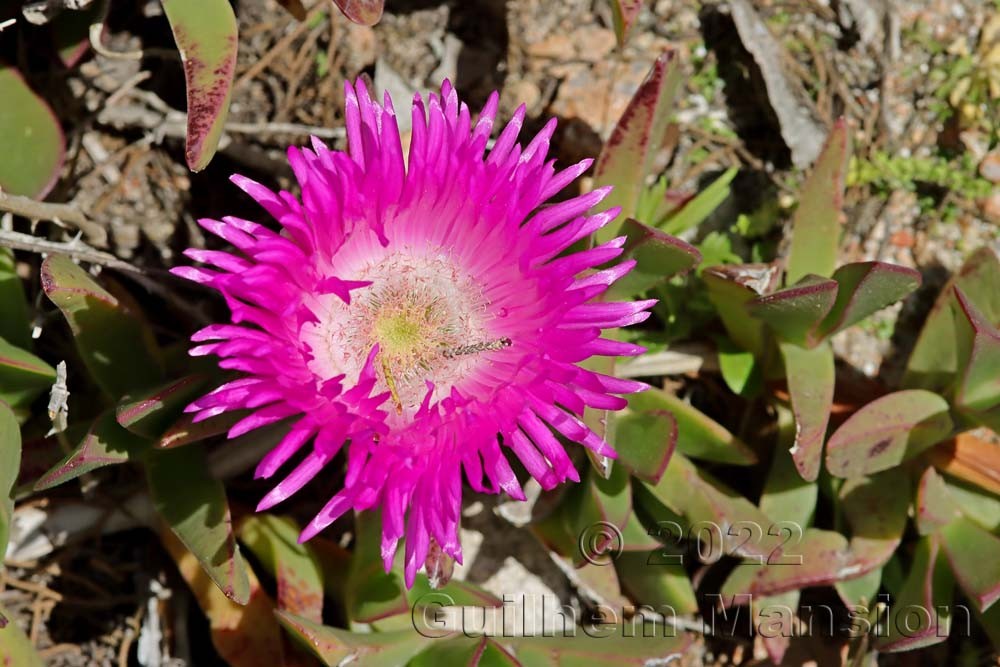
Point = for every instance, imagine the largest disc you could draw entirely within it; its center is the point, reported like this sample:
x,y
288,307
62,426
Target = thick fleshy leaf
x,y
184,431
795,311
810,384
605,646
928,587
933,361
206,36
10,465
15,325
627,157
730,288
245,635
877,519
365,12
105,444
33,141
599,511
786,496
739,368
696,210
865,288
115,346
935,507
467,652
649,580
153,412
15,648
977,343
274,541
981,507
698,436
194,506
334,646
888,431
372,593
624,13
461,593
974,555
23,376
644,442
816,225
658,257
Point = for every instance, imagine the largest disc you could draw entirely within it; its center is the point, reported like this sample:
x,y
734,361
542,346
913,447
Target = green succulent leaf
x,y
816,225
275,542
15,325
106,443
194,506
864,288
888,431
974,555
71,31
627,157
372,593
335,647
649,579
32,138
15,647
115,346
977,344
795,311
935,507
10,466
928,586
469,651
644,442
623,14
692,213
23,376
786,496
605,646
730,289
739,368
934,362
658,258
811,377
206,36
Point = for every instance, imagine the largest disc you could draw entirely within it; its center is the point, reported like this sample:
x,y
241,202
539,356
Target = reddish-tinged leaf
x,y
194,506
244,636
794,311
467,652
816,226
116,347
928,587
877,518
335,647
658,257
274,541
810,385
627,158
978,350
185,431
888,431
152,413
649,580
106,443
624,13
365,12
974,555
295,8
71,31
206,36
32,138
645,441
864,289
730,288
610,648
933,361
23,376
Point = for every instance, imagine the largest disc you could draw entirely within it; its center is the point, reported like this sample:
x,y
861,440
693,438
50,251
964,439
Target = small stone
x,y
989,168
556,47
594,43
526,92
991,206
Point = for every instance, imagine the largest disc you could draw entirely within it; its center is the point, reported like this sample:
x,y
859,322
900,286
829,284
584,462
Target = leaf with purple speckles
x,y
977,343
888,431
206,36
33,141
864,288
334,646
627,157
658,256
795,311
365,12
811,378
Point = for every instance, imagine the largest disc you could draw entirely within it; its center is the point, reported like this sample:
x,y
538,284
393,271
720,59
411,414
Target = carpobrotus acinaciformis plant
x,y
421,314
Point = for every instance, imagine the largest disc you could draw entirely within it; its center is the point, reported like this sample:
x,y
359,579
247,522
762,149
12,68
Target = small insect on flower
x,y
421,314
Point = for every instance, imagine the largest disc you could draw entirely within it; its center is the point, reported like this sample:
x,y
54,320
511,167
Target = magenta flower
x,y
419,314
